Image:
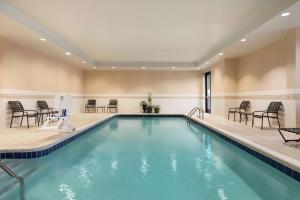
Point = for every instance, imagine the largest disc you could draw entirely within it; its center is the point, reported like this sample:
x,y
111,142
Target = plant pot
x,y
149,109
156,110
144,108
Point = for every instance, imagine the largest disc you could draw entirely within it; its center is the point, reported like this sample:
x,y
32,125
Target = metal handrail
x,y
194,110
14,175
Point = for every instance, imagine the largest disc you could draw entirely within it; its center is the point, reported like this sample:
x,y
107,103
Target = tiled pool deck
x,y
23,139
266,142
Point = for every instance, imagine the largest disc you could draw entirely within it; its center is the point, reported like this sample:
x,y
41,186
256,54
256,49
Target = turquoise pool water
x,y
148,158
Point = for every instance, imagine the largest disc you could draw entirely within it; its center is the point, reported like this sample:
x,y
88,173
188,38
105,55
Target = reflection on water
x,y
114,163
207,173
113,125
68,192
84,177
85,171
221,193
144,165
147,125
173,163
198,165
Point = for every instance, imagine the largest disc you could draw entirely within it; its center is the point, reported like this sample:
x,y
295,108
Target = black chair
x,y
112,106
44,109
271,112
243,108
91,104
19,111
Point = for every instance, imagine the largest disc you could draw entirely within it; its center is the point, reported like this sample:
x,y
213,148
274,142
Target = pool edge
x,y
272,160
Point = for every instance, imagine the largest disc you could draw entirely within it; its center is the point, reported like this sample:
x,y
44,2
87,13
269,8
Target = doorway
x,y
207,81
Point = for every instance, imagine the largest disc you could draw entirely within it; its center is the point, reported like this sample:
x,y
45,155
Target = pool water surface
x,y
149,158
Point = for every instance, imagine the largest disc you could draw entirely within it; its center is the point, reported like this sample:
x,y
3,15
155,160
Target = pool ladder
x,y
193,111
14,175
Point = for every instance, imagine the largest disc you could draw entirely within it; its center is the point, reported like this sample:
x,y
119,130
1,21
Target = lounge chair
x,y
112,105
91,104
243,108
44,109
271,112
19,111
291,130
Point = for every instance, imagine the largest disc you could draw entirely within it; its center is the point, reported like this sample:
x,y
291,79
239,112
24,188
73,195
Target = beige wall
x,y
175,91
266,74
142,82
224,76
22,68
297,75
297,58
224,81
269,68
28,75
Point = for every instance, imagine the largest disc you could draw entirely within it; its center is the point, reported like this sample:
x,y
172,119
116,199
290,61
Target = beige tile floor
x,y
21,138
266,141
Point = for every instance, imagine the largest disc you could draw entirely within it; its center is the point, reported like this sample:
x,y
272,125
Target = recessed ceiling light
x,y
83,62
285,14
207,62
173,67
221,54
243,40
113,67
143,67
197,67
43,39
94,67
68,53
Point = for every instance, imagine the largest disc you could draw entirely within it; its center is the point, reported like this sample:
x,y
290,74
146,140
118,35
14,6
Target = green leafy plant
x,y
157,109
144,104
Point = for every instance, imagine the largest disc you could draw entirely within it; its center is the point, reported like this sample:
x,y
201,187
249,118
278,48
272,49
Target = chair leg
x,y
252,121
278,121
262,122
37,119
21,121
234,117
246,119
27,122
269,121
11,121
240,118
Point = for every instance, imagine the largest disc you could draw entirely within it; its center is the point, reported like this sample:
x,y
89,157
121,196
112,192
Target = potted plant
x,y
157,109
149,108
144,105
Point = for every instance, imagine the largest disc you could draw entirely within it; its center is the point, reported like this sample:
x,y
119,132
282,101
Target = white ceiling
x,y
13,31
126,33
272,30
